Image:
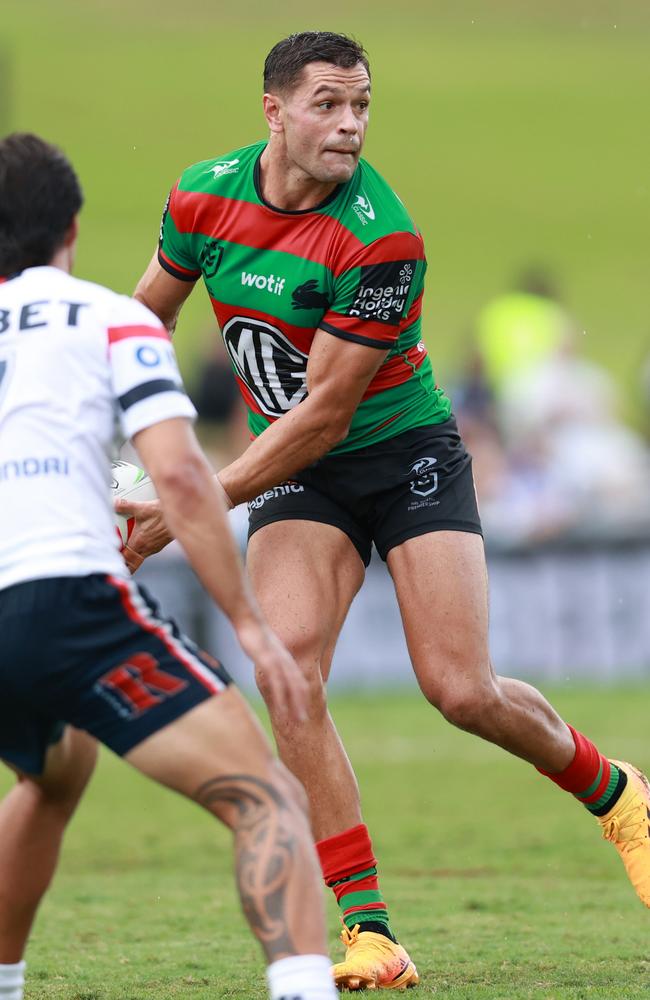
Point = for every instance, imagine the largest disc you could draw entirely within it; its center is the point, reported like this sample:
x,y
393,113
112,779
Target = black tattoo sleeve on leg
x,y
265,850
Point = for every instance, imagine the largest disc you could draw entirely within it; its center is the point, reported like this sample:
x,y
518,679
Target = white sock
x,y
302,977
12,979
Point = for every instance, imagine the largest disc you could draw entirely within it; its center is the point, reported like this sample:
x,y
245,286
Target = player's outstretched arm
x,y
195,509
338,374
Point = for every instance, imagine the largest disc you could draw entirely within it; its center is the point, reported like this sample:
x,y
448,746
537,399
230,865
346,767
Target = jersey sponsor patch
x,y
273,368
382,291
363,210
309,296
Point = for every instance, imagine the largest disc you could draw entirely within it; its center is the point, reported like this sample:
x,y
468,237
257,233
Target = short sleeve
x,y
174,246
375,289
146,381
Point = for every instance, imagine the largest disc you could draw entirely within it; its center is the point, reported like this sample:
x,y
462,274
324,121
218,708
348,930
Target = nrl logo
x,y
426,480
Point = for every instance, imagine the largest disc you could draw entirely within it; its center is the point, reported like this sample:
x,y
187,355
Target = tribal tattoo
x,y
265,851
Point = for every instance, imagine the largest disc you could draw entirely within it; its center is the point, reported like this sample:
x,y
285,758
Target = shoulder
x,y
213,175
373,211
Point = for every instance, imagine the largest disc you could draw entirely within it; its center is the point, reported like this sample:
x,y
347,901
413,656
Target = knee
x,y
246,801
288,788
316,690
468,706
68,771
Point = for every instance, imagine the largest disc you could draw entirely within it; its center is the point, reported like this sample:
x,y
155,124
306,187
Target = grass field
x,y
513,131
500,885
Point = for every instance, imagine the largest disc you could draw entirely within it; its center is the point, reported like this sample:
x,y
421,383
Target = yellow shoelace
x,y
634,828
350,937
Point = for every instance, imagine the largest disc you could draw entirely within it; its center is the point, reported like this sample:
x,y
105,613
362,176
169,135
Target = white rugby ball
x,y
129,483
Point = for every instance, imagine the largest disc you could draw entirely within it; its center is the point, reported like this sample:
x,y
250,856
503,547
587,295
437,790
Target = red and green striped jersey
x,y
353,266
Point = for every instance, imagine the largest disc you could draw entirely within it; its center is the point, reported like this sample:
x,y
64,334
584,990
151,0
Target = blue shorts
x,y
92,651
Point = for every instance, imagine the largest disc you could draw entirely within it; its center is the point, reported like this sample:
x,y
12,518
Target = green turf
x,y
514,131
499,883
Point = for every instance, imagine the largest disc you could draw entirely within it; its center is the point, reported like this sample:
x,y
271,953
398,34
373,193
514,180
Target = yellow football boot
x,y
627,826
373,962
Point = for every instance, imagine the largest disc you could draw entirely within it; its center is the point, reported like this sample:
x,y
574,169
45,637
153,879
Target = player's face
x,y
324,121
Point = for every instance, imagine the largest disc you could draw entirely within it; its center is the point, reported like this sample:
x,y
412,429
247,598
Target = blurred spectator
x,y
222,429
551,454
518,330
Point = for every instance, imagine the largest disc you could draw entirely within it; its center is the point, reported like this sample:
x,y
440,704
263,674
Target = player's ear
x,y
272,104
71,235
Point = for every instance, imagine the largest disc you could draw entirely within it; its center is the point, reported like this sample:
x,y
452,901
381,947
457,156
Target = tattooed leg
x,y
218,756
266,849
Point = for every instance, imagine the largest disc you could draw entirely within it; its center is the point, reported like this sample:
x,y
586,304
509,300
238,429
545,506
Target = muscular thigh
x,y
441,584
305,575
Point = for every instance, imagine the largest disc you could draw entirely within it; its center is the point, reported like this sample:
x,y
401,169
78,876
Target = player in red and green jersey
x,y
315,272
354,267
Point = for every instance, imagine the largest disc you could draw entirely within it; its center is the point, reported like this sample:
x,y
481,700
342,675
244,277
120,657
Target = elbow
x,y
336,432
182,484
332,425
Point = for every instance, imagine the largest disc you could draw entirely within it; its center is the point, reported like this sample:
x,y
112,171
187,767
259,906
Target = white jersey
x,y
80,368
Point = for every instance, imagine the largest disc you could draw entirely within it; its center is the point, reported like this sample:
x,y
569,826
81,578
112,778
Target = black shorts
x,y
94,652
416,482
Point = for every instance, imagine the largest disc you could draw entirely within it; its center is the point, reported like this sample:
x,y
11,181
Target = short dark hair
x,y
39,198
286,60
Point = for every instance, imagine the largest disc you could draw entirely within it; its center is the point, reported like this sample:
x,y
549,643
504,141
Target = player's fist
x,y
149,533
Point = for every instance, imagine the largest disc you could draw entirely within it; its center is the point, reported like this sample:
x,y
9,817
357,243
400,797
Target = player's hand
x,y
278,676
150,533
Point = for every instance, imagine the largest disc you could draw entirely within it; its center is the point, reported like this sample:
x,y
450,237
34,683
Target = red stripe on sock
x,y
379,905
345,854
583,769
370,884
602,784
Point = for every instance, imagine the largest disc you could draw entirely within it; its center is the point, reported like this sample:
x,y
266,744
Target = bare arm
x,y
338,374
194,508
162,293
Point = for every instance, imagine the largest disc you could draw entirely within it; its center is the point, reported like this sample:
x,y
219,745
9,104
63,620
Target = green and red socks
x,y
590,777
350,869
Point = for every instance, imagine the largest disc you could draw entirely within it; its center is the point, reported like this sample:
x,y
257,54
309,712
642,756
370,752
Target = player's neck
x,y
63,259
287,187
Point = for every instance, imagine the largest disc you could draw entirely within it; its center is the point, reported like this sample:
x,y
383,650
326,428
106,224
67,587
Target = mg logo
x,y
273,369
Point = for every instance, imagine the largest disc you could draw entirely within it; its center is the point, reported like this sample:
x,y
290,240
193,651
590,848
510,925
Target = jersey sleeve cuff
x,y
176,271
356,338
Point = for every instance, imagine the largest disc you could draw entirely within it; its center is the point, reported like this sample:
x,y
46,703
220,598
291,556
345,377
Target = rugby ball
x,y
129,483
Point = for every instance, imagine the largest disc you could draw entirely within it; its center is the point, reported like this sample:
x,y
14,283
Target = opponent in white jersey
x,y
78,365
85,653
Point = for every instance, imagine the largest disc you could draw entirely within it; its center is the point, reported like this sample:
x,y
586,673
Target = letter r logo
x,y
140,684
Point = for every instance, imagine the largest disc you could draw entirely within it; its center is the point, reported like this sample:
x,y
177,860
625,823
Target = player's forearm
x,y
293,442
195,513
167,316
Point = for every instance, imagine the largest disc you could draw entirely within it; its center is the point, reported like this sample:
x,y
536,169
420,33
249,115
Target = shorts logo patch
x,y
282,490
138,685
426,479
